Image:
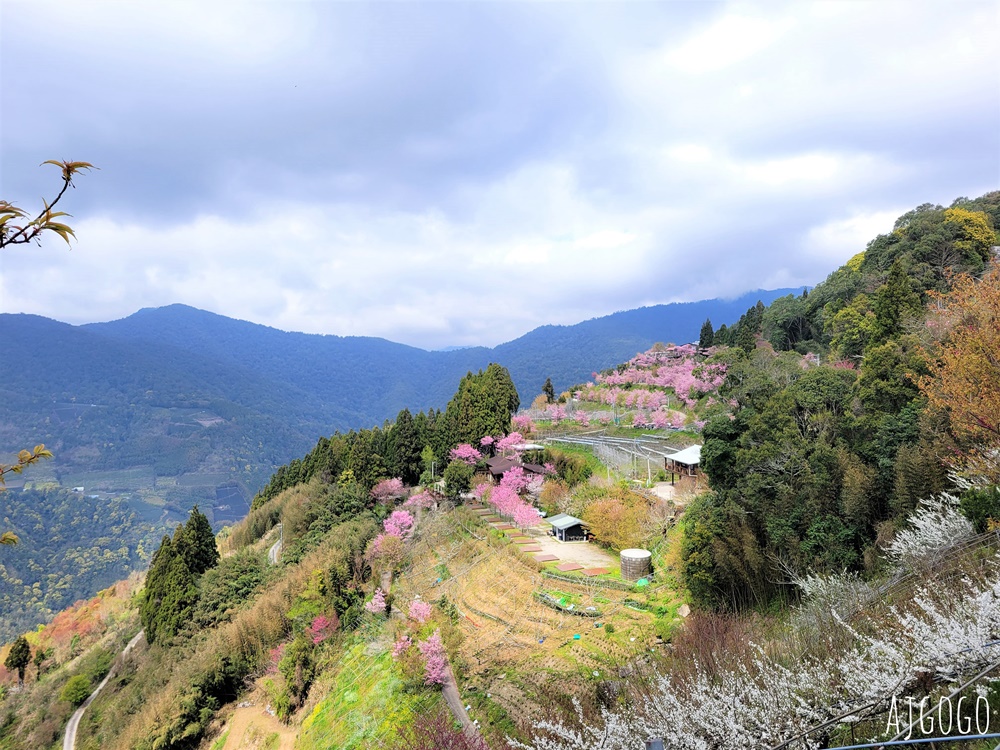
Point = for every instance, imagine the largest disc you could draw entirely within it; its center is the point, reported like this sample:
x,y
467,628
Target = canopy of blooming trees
x,y
675,367
465,453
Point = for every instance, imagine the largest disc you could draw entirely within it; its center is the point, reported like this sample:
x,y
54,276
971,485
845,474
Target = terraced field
x,y
522,629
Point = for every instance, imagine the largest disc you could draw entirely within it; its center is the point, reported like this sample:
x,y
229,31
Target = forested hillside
x,y
818,463
70,545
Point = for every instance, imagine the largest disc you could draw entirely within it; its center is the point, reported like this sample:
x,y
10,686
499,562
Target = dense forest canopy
x,y
819,462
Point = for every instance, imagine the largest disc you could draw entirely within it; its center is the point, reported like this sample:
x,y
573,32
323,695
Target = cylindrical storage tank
x,y
636,564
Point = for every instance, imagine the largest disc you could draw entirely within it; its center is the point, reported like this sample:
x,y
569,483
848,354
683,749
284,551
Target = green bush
x,y
76,690
981,504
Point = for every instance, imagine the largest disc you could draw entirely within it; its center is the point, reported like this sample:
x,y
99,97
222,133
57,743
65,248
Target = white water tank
x,y
636,564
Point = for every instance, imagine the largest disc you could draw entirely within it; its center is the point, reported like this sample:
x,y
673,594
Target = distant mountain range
x,y
176,398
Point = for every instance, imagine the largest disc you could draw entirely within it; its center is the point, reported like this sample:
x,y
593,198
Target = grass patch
x,y
366,703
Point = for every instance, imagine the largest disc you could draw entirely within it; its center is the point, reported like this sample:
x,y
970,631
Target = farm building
x,y
499,464
568,528
685,461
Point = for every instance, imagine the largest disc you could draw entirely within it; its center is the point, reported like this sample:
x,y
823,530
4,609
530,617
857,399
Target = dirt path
x,y
454,700
251,727
69,739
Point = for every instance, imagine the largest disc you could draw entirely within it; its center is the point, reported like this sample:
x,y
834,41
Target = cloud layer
x,y
448,174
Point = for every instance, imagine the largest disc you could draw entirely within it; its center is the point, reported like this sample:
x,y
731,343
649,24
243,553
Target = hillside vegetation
x,y
841,561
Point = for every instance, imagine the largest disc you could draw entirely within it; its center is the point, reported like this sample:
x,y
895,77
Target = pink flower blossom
x,y
275,655
514,478
399,523
522,423
388,490
505,446
401,645
504,499
466,453
660,419
377,604
486,441
525,515
420,500
321,628
435,659
420,611
555,412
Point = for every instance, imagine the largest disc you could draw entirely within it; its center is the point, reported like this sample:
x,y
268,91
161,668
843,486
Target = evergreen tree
x,y
405,448
155,591
707,337
18,658
745,338
894,302
483,405
365,460
170,590
180,596
198,549
40,656
549,390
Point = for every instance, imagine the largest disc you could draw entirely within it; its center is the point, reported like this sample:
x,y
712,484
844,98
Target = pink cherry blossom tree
x,y
401,646
435,659
420,610
399,523
515,479
506,446
388,490
466,453
321,628
420,500
523,424
377,604
525,515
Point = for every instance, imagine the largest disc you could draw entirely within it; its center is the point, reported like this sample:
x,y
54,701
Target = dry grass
x,y
515,648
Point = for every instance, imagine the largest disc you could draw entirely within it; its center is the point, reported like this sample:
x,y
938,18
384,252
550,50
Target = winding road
x,y
272,554
69,739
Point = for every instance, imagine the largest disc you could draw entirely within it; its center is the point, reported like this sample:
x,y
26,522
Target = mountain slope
x,y
374,378
175,406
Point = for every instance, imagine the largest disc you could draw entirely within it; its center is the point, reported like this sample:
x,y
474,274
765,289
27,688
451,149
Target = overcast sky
x,y
451,173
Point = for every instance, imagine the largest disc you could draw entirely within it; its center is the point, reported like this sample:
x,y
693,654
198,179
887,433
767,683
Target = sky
x,y
459,173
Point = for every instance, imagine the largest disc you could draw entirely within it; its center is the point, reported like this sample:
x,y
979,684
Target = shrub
x,y
980,505
76,690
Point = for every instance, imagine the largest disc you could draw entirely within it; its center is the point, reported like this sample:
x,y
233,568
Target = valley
x,y
815,484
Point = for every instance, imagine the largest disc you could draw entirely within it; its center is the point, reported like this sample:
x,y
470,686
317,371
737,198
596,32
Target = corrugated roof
x,y
563,521
690,456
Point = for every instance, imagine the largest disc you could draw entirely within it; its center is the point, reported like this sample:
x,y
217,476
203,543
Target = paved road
x,y
275,551
69,739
